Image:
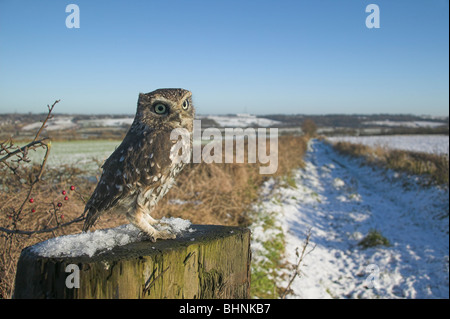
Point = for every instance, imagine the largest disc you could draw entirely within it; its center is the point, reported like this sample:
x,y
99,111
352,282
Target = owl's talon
x,y
144,236
164,234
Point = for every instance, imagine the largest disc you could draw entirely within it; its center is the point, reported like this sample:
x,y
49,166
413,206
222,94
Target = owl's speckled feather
x,y
140,171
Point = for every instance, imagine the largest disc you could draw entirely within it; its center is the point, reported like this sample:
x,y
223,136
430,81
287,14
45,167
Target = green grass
x,y
264,275
265,272
290,180
373,239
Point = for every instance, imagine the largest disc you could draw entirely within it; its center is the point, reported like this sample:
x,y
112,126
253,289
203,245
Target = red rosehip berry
x,y
33,210
72,188
59,204
31,200
66,198
64,192
62,216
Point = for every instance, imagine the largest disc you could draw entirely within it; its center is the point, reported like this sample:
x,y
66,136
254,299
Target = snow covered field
x,y
413,124
68,122
437,144
83,154
341,201
58,123
240,120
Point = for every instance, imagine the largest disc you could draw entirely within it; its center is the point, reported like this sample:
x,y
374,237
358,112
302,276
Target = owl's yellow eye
x,y
160,108
185,104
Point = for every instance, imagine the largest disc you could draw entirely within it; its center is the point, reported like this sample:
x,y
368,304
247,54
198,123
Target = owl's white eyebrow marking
x,y
163,100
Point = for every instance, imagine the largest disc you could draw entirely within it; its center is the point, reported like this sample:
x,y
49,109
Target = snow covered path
x,y
341,200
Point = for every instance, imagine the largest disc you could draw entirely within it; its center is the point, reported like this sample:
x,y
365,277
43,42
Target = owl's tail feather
x,y
91,218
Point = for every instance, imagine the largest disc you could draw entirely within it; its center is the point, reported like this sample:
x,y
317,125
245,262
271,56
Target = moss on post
x,y
211,262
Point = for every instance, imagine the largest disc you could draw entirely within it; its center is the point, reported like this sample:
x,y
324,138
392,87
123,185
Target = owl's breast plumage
x,y
153,169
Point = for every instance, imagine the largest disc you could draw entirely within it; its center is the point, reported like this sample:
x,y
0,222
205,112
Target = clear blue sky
x,y
262,57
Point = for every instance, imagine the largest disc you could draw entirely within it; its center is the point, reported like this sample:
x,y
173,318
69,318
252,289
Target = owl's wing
x,y
133,165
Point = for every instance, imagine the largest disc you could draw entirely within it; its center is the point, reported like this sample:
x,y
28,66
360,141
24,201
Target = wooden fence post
x,y
211,262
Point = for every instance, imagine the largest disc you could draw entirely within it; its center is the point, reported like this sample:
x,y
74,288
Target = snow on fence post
x,y
208,262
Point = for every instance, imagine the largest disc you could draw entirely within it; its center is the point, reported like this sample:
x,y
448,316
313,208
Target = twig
x,y
50,109
24,148
296,268
33,183
35,140
24,151
40,231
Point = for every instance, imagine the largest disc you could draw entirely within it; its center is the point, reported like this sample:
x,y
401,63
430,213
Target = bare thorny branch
x,y
20,154
296,268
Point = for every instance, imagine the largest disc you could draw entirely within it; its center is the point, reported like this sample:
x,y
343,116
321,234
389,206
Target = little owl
x,y
141,170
